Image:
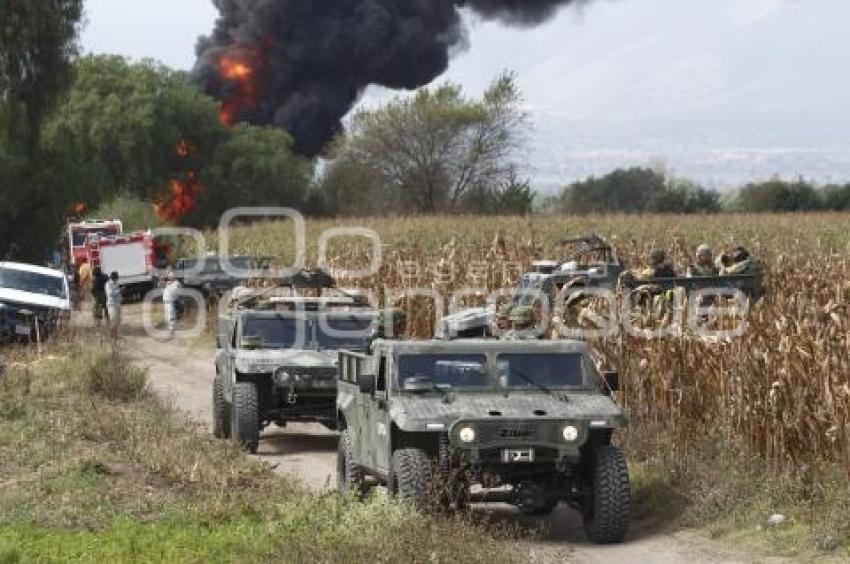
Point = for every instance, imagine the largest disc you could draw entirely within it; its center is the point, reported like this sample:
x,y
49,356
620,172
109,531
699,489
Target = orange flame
x,y
180,199
231,68
240,71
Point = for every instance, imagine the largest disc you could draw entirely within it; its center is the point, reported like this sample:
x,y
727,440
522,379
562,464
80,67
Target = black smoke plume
x,y
302,64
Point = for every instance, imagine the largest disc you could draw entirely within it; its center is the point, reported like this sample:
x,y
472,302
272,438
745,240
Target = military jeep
x,y
278,363
525,422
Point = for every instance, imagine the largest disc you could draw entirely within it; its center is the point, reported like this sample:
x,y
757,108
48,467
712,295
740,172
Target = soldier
x,y
503,317
704,266
742,263
522,320
658,266
393,319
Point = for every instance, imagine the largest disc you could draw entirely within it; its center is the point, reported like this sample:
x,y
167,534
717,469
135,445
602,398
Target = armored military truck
x,y
528,422
277,361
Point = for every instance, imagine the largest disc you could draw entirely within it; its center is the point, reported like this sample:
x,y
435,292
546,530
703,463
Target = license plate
x,y
24,330
516,456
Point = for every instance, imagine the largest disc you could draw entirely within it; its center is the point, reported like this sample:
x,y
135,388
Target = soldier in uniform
x,y
522,322
394,319
503,318
659,267
742,263
704,266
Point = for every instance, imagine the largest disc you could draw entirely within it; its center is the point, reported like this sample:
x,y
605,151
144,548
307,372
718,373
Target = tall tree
x,y
435,147
37,45
136,127
255,167
38,39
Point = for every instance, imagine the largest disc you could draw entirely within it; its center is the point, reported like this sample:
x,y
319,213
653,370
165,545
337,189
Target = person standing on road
x,y
98,291
171,298
113,303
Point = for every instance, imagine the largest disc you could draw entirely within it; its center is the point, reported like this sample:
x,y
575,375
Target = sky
x,y
722,91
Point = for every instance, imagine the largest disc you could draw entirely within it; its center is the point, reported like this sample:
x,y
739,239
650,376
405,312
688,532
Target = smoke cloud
x,y
302,64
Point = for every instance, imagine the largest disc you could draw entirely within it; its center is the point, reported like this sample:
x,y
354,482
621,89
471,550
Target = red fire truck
x,y
131,256
79,232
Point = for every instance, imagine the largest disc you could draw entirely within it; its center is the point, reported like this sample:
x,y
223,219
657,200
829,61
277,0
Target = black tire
x,y
221,411
350,476
410,476
608,509
245,416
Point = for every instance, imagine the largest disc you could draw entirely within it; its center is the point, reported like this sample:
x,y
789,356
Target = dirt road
x,y
182,373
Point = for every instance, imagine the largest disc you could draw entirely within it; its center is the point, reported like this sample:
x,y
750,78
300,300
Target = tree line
x,y
645,190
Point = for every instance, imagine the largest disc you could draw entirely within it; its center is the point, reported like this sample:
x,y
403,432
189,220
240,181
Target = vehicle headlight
x,y
467,434
570,433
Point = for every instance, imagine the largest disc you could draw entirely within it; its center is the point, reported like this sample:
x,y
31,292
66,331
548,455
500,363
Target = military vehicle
x,y
277,356
590,262
751,285
527,422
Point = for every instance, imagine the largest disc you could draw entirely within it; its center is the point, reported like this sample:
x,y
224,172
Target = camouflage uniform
x,y
704,267
522,320
396,319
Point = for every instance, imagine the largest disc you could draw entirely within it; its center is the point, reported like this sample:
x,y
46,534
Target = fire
x,y
239,72
234,69
182,192
180,200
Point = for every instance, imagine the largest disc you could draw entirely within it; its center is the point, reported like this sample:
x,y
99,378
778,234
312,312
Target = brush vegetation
x,y
93,468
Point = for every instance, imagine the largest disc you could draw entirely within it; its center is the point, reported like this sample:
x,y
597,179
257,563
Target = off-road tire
x,y
350,476
221,411
410,476
608,508
245,416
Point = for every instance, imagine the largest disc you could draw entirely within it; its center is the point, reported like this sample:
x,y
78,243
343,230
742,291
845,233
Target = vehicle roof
x,y
473,346
33,268
286,314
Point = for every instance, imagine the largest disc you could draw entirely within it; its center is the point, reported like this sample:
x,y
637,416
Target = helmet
x,y
522,315
657,256
740,254
704,250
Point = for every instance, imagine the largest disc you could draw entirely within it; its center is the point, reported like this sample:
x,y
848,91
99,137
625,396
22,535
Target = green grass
x,y
94,469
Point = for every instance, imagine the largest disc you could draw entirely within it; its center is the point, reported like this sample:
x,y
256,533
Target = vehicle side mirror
x,y
612,380
366,383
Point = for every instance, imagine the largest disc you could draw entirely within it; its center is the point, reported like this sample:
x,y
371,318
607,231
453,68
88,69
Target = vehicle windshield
x,y
80,235
32,282
277,332
446,371
343,332
561,370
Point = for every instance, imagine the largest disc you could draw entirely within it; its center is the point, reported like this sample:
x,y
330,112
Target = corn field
x,y
783,387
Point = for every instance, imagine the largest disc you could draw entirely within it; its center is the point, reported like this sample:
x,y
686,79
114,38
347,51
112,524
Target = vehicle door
x,y
376,417
231,350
